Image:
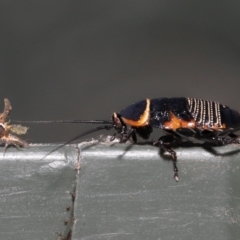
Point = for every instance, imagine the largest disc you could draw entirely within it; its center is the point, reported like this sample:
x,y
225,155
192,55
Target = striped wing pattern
x,y
205,113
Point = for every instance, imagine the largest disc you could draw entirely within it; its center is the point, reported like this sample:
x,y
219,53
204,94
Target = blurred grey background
x,y
85,59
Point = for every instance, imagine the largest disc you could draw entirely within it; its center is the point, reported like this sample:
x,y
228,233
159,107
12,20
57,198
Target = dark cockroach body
x,y
180,118
186,117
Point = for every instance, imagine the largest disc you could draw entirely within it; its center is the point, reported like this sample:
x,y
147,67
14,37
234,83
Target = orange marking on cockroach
x,y
6,130
176,123
143,120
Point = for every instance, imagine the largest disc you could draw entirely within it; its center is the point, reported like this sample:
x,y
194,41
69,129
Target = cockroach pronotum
x,y
6,130
179,118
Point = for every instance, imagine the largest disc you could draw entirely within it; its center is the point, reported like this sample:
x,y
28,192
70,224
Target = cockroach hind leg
x,y
221,141
236,141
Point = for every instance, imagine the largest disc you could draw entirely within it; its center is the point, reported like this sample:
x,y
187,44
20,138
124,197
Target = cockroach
x,y
179,118
6,130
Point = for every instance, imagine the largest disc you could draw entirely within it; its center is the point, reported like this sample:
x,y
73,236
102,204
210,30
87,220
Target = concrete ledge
x,y
122,191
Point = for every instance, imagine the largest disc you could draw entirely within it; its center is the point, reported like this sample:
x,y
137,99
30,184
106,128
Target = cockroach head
x,y
117,122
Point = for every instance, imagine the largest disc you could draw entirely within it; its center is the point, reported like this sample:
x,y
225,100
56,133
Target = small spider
x,y
6,130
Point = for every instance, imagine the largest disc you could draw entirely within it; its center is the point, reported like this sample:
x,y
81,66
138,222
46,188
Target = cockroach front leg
x,y
126,135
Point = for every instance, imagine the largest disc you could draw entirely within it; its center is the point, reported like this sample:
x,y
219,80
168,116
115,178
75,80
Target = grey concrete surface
x,y
131,194
36,192
122,191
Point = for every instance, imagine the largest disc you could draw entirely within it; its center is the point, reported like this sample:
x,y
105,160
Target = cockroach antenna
x,y
106,127
66,121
